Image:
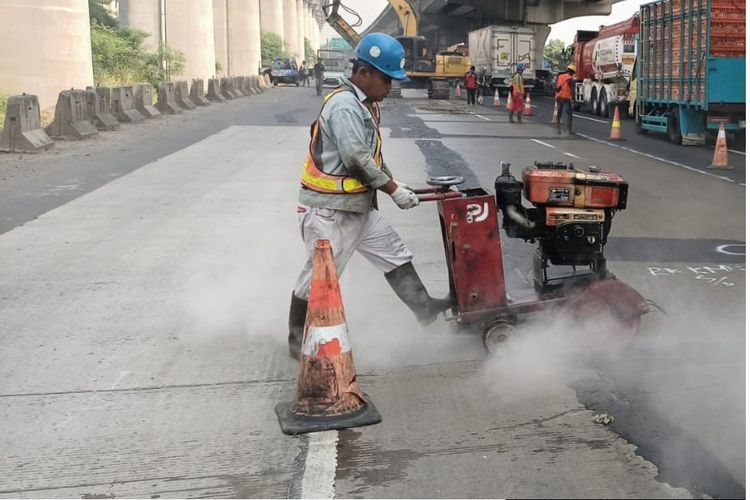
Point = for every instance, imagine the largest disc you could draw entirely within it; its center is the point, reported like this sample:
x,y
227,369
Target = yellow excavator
x,y
426,68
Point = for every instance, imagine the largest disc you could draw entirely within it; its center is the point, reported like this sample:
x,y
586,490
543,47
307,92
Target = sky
x,y
565,30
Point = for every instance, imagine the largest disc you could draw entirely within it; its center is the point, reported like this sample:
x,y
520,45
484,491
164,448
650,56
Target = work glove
x,y
405,198
401,184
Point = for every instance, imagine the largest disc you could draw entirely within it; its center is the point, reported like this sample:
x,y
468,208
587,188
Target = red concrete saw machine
x,y
569,221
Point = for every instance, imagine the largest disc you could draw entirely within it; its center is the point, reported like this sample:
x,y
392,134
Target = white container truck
x,y
499,49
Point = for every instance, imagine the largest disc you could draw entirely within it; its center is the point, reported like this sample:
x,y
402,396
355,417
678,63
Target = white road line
x,y
320,465
738,152
591,119
572,155
482,117
425,94
681,165
543,143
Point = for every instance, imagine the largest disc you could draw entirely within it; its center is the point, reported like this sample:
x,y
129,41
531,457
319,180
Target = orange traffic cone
x,y
328,396
458,90
496,101
554,114
527,111
616,132
509,102
721,154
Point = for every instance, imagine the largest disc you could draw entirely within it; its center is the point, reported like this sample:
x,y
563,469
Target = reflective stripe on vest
x,y
313,176
563,81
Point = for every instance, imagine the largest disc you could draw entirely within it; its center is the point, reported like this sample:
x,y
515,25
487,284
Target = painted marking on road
x,y
737,152
482,117
543,143
641,153
724,249
572,155
424,94
591,119
320,465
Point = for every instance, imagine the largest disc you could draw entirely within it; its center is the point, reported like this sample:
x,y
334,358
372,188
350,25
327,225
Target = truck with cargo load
x,y
605,62
500,49
691,69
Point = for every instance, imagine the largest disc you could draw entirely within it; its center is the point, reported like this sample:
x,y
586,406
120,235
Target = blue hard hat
x,y
383,52
520,67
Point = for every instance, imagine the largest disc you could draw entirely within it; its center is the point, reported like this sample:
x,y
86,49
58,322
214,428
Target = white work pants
x,y
368,233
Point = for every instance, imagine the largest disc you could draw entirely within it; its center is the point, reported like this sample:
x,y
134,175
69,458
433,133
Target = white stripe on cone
x,y
317,335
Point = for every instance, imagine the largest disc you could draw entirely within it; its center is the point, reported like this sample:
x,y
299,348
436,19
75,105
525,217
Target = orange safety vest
x,y
563,81
313,176
517,84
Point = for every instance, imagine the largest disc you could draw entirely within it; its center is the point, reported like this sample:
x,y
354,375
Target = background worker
x,y
341,175
472,84
565,89
517,93
303,76
318,71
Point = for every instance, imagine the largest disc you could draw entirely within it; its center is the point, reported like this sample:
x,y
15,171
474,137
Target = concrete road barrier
x,y
100,108
268,81
123,107
197,94
72,120
182,95
166,103
144,101
214,91
237,87
22,132
226,89
255,83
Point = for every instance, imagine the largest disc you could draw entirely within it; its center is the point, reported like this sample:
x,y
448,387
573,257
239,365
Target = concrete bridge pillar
x,y
145,16
46,48
272,17
237,36
301,28
291,37
190,29
541,32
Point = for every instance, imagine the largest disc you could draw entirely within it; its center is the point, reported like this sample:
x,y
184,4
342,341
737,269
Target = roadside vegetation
x,y
558,55
3,108
119,55
271,47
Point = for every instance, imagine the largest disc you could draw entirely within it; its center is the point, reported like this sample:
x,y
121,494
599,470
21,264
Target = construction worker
x,y
517,93
565,90
472,84
341,175
318,71
303,76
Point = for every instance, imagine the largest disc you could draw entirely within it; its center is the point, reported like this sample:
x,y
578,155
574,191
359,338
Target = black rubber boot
x,y
406,283
297,315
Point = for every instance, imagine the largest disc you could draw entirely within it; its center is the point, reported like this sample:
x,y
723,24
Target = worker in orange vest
x,y
565,90
517,93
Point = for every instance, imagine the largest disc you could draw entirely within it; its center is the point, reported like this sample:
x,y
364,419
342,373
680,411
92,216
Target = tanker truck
x,y
605,61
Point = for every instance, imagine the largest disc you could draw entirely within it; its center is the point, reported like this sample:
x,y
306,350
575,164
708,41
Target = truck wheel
x,y
673,127
594,102
638,122
603,105
275,82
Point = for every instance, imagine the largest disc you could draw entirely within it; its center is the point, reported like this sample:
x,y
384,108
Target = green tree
x,y
164,65
99,13
558,55
310,54
271,47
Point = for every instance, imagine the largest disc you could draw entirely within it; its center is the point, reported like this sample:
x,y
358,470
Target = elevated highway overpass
x,y
447,22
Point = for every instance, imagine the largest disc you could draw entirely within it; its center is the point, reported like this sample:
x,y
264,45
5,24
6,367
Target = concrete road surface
x,y
144,293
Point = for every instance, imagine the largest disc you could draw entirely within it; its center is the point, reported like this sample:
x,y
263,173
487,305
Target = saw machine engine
x,y
570,219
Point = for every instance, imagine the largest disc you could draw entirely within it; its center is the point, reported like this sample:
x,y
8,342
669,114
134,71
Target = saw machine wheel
x,y
497,334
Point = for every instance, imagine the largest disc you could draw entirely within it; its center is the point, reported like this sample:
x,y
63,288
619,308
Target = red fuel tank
x,y
565,186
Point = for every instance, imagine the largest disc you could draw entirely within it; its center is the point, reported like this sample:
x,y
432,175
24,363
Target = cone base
x,y
714,167
299,424
616,139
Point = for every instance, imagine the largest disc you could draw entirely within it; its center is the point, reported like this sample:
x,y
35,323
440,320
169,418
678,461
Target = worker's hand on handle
x,y
402,184
404,198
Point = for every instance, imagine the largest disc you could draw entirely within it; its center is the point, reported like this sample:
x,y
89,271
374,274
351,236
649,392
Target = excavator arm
x,y
406,16
339,24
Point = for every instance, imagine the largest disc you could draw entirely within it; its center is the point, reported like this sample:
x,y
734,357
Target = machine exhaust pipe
x,y
517,217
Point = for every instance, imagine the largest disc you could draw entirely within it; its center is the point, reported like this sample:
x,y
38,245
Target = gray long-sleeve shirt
x,y
349,139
